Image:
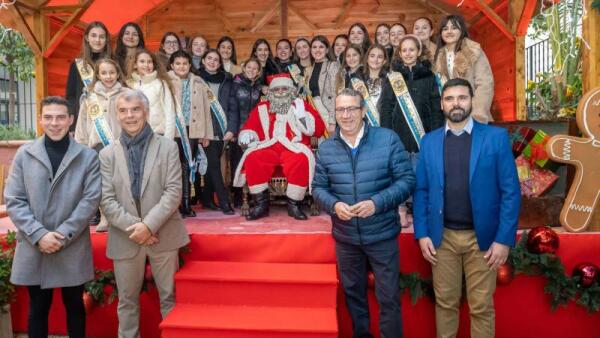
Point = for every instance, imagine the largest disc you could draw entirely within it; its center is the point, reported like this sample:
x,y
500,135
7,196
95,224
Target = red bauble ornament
x,y
542,240
88,302
505,274
588,273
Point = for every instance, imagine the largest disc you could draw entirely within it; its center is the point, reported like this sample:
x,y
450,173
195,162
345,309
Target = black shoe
x,y
295,210
186,209
261,206
211,206
228,211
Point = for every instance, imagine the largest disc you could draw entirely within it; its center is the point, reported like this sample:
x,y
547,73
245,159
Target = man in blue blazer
x,y
466,210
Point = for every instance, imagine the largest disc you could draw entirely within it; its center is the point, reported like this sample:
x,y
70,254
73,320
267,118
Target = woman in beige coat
x,y
457,56
322,80
191,98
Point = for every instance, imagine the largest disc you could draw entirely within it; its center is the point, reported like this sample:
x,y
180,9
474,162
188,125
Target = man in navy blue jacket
x,y
362,174
466,210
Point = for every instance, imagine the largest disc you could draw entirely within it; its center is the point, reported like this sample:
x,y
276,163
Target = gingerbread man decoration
x,y
584,154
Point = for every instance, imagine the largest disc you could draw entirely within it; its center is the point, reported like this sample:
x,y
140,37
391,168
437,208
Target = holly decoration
x,y
98,287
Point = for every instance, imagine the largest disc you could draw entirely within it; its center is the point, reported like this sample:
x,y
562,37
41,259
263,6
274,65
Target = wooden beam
x,y
526,15
515,11
283,19
27,5
41,29
493,5
271,10
64,30
494,18
21,25
302,17
440,6
344,13
220,14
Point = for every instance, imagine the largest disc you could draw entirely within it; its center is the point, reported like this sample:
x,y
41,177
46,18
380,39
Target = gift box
x,y
520,137
535,149
534,181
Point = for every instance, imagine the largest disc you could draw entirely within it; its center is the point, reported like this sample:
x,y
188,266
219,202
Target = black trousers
x,y
352,263
40,301
213,182
235,155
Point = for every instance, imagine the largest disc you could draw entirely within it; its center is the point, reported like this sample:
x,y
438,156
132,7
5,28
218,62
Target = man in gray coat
x,y
141,192
51,194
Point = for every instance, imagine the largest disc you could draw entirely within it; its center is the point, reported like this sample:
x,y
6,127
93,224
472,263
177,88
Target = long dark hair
x,y
377,29
367,40
260,42
213,50
365,62
121,49
332,49
289,44
86,50
457,21
322,39
233,52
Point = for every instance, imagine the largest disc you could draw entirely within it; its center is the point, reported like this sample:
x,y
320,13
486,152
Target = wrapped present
x,y
534,181
520,137
535,151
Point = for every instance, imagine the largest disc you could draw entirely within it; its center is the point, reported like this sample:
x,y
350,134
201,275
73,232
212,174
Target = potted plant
x,y
7,290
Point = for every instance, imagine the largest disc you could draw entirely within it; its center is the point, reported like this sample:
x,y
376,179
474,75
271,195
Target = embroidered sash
x,y
185,143
218,110
440,80
407,106
296,75
100,124
86,72
372,112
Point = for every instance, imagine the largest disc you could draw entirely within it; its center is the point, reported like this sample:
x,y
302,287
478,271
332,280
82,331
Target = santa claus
x,y
277,134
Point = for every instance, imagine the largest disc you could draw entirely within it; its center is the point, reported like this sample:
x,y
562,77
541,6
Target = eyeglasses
x,y
351,109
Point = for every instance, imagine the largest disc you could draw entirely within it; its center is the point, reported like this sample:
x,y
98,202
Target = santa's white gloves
x,y
299,110
246,139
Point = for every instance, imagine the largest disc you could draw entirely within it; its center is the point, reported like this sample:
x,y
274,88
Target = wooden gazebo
x,y
53,28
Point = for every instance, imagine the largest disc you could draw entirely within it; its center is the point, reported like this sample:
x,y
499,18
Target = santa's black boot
x,y
261,206
295,210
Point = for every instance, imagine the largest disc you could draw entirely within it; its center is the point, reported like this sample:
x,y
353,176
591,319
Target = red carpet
x,y
245,299
522,308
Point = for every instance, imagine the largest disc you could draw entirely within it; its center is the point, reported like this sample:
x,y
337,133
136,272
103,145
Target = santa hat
x,y
280,80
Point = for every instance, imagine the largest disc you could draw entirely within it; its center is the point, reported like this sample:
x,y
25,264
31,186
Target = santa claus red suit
x,y
279,139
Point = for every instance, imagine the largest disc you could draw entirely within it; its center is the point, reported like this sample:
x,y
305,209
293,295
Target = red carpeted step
x,y
262,284
229,321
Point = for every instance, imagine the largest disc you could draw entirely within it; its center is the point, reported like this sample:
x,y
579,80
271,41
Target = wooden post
x,y
516,19
284,19
41,30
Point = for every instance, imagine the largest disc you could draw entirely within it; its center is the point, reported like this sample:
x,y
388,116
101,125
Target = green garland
x,y
416,286
7,252
561,287
96,287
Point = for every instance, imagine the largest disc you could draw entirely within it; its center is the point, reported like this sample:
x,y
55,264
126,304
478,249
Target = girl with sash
x,y
284,56
375,65
397,31
219,88
423,29
169,44
322,81
245,95
410,102
262,51
351,67
457,56
97,126
340,43
193,123
149,76
302,57
96,45
359,35
226,48
198,46
130,38
382,37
